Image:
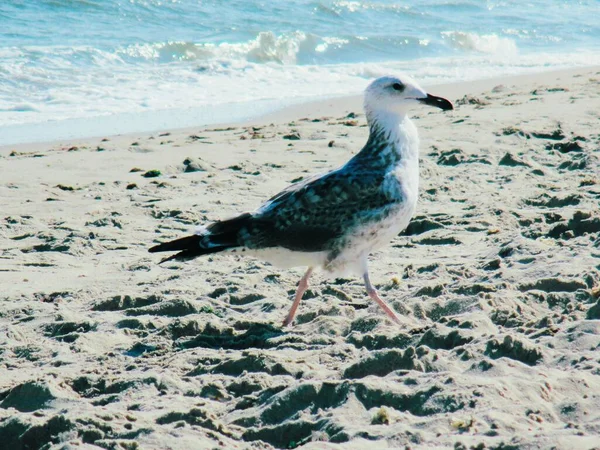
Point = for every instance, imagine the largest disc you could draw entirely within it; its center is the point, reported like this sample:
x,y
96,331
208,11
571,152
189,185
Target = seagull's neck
x,y
392,137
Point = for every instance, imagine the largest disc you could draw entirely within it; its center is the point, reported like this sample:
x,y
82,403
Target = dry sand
x,y
497,281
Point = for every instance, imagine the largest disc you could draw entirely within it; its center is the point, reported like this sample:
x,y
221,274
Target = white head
x,y
396,95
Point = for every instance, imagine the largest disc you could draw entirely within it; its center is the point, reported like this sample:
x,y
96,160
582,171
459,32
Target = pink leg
x,y
375,296
302,286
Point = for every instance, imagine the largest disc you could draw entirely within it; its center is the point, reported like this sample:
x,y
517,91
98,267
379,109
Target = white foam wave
x,y
355,6
267,47
482,43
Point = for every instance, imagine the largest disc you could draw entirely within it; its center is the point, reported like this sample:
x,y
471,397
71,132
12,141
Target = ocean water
x,y
75,68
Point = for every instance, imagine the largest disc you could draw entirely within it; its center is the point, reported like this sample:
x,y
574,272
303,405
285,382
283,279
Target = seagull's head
x,y
396,95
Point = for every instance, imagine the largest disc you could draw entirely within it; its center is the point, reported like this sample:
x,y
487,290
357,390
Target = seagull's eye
x,y
398,87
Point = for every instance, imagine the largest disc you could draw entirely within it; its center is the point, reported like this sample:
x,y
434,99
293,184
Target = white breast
x,y
402,183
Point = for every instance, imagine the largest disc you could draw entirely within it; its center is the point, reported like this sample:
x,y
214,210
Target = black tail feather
x,y
220,236
184,243
189,247
192,253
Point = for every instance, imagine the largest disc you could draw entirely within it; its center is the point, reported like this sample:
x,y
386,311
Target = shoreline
x,y
271,113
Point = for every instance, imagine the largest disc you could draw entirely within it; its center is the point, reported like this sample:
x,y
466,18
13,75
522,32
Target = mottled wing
x,y
296,187
316,214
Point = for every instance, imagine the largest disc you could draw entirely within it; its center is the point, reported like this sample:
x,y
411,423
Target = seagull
x,y
333,221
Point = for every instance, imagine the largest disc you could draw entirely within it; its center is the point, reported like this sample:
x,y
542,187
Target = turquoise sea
x,y
75,68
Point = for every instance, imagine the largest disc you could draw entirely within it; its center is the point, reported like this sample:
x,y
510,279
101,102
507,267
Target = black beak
x,y
439,102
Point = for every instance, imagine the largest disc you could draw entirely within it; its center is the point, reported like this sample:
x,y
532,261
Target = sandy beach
x,y
496,281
